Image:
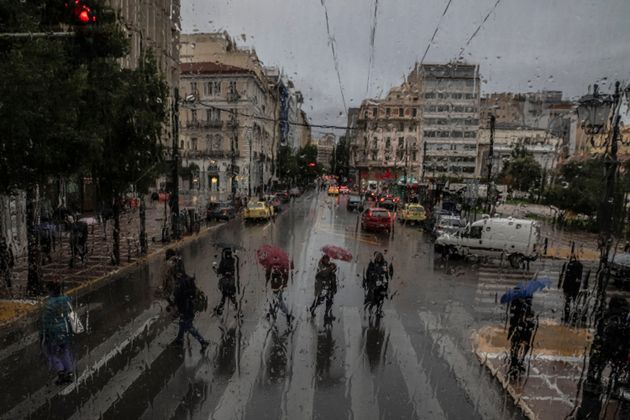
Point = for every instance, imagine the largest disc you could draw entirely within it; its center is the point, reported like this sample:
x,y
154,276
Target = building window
x,y
193,115
387,111
193,143
375,112
388,143
401,112
216,88
232,87
414,156
429,95
193,87
207,89
401,142
414,112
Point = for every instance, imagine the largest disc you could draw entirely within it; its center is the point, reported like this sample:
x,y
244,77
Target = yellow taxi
x,y
333,190
257,210
412,213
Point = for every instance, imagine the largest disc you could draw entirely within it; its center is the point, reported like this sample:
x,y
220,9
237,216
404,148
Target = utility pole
x,y
591,404
406,169
233,154
175,157
489,192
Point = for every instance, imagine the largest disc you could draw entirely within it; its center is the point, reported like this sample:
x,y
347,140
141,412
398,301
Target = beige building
x,y
227,123
325,149
543,145
386,140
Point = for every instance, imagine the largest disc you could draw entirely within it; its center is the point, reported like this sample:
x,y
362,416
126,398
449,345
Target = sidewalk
x,y
97,265
549,389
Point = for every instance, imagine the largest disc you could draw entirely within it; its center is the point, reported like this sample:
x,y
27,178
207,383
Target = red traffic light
x,y
311,164
80,12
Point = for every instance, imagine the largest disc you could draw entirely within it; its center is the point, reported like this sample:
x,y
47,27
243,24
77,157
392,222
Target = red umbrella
x,y
273,256
337,253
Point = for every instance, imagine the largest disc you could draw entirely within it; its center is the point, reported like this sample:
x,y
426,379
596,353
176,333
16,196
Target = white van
x,y
515,239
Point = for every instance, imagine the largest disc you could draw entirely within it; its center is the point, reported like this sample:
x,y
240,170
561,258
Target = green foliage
x,y
287,164
340,159
306,155
129,125
579,186
521,172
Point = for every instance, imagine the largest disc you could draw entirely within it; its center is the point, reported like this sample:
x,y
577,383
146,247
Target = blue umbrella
x,y
525,289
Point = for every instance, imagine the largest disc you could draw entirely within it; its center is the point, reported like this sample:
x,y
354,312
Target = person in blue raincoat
x,y
56,334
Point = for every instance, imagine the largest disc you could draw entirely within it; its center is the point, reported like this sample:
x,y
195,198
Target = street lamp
x,y
593,111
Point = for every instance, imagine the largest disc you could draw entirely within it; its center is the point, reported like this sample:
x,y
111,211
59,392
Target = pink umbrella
x,y
273,256
337,253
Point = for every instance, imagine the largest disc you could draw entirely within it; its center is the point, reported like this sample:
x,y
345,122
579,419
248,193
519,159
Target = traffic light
x,y
79,12
311,164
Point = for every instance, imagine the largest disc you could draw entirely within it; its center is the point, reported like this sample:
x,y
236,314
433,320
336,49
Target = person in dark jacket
x,y
571,281
227,272
185,293
279,278
520,331
377,277
56,334
6,262
325,286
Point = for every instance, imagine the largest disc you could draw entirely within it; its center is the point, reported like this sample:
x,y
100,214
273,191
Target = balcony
x,y
232,123
213,124
193,124
233,97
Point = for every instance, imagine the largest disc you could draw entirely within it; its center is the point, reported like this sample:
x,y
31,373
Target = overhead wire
x,y
474,34
372,42
437,28
269,119
331,41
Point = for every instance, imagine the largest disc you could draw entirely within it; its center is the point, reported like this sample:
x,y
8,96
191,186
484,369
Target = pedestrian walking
x,y
173,265
185,295
56,334
6,263
227,272
325,286
520,332
279,279
571,281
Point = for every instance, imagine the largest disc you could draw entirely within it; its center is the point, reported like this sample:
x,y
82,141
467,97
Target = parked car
x,y
354,203
447,223
283,195
275,201
620,269
412,213
516,239
295,192
220,211
344,189
388,203
333,190
257,210
377,219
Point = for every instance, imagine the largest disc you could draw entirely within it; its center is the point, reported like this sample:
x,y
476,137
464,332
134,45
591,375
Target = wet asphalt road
x,y
415,363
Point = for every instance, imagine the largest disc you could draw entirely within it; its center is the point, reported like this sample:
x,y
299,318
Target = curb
x,y
518,401
30,314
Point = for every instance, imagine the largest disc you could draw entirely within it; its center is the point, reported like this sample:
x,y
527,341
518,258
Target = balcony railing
x,y
213,124
233,96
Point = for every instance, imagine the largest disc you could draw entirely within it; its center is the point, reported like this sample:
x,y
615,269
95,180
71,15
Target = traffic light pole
x,y
591,404
175,175
489,192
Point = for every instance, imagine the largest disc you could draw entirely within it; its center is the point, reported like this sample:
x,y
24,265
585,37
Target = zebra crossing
x,y
494,281
106,390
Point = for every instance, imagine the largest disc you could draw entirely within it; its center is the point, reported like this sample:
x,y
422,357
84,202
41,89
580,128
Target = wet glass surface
x,y
212,209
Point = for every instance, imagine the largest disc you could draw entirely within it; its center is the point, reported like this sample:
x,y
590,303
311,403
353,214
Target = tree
x,y
521,171
287,165
340,158
307,155
130,126
41,92
578,186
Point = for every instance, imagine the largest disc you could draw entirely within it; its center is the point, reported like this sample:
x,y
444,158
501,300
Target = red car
x,y
377,219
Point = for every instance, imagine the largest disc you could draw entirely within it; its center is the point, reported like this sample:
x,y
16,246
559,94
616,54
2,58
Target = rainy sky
x,y
522,46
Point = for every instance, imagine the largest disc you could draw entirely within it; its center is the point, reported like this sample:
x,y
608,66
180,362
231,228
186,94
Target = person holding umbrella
x,y
522,320
325,286
277,266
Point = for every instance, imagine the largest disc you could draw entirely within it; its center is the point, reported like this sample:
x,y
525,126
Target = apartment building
x,y
449,118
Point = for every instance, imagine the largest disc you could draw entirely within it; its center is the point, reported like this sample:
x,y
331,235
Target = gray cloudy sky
x,y
524,45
